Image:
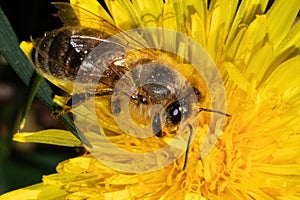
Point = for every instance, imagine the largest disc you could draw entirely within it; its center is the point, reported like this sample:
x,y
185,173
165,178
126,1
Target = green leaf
x,y
37,79
9,48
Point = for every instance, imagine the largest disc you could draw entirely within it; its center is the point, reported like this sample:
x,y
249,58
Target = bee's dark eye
x,y
174,112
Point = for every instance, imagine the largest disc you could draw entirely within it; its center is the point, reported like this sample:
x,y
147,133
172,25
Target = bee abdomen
x,y
60,53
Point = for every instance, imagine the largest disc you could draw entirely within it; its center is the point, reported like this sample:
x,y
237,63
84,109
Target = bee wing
x,y
74,15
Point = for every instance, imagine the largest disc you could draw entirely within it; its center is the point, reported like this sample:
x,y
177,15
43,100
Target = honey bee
x,y
158,97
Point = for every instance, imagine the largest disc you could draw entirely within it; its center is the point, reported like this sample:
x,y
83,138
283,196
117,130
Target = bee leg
x,y
104,92
71,102
60,111
188,147
77,99
156,125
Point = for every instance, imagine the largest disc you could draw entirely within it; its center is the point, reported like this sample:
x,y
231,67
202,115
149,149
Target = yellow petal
x,y
259,195
287,169
289,46
63,179
27,48
292,39
290,197
285,79
150,12
237,76
222,15
27,193
52,192
121,194
254,39
246,13
169,20
233,47
49,136
259,64
36,192
124,14
94,7
280,18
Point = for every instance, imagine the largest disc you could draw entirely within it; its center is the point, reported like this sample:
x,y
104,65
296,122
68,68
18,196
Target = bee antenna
x,y
214,111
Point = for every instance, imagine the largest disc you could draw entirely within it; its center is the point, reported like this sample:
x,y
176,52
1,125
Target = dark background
x,y
30,17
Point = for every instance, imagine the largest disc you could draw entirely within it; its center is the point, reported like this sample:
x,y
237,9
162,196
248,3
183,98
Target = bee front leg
x,y
188,147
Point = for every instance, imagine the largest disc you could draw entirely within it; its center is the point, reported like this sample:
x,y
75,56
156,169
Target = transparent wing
x,y
74,15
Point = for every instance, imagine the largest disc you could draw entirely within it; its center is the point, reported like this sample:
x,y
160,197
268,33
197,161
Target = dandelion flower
x,y
257,156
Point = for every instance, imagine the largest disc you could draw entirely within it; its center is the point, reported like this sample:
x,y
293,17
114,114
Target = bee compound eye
x,y
174,112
